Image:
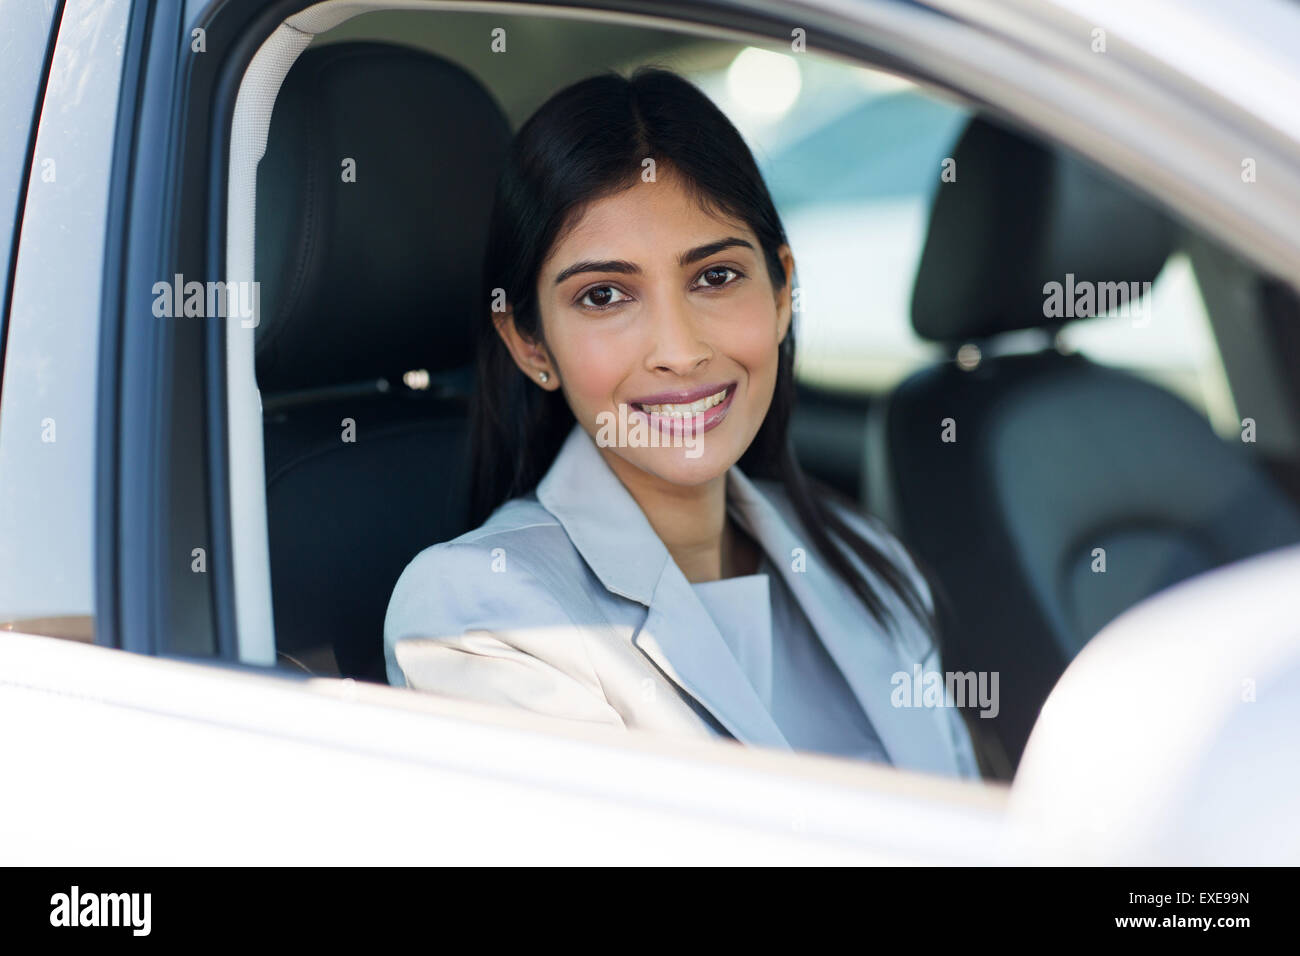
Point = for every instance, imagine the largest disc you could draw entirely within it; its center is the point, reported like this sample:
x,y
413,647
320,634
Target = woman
x,y
650,555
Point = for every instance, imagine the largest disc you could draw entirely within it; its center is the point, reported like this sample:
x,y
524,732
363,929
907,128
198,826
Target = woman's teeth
x,y
692,408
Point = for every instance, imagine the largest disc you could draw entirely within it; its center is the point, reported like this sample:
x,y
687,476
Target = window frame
x,y
154,491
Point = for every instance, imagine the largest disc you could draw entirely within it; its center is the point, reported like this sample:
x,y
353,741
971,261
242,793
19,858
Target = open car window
x,y
858,161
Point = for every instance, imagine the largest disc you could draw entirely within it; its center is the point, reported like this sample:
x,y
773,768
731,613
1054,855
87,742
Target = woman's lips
x,y
683,396
700,421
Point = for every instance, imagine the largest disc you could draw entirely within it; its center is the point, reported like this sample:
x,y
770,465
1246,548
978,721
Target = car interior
x,y
363,359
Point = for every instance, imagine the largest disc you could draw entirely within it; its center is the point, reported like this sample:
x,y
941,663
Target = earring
x,y
544,376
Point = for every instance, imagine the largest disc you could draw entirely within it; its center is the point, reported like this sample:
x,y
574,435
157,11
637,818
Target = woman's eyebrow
x,y
708,249
591,265
623,267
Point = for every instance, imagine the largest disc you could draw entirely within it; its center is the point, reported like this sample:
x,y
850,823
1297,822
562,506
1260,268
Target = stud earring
x,y
544,376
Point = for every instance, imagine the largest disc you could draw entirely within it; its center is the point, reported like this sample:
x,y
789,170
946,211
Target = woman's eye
x,y
716,277
601,297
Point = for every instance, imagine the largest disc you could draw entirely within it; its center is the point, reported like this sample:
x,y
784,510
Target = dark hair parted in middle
x,y
587,142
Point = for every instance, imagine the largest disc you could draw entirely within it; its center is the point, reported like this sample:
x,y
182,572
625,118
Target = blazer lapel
x,y
612,534
867,656
682,640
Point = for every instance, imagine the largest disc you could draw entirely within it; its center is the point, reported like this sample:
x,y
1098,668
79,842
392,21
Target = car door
x,y
129,534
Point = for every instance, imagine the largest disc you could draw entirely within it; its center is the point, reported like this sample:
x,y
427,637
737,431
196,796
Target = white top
x,y
788,666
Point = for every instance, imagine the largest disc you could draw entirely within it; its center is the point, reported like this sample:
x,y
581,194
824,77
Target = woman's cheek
x,y
592,381
755,344
585,368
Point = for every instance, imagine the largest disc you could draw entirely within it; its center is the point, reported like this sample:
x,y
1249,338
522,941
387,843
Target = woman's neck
x,y
691,521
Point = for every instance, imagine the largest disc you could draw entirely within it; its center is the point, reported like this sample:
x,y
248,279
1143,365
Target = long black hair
x,y
587,142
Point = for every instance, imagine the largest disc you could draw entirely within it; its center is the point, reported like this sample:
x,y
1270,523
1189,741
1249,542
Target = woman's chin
x,y
683,466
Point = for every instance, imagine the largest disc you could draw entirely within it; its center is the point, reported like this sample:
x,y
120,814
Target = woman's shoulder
x,y
516,522
511,519
473,576
520,525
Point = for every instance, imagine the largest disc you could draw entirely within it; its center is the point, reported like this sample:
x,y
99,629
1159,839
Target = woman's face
x,y
663,330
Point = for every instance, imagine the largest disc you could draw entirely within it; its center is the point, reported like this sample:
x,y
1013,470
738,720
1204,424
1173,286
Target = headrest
x,y
1017,217
373,200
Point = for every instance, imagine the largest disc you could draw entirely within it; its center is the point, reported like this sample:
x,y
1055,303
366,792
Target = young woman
x,y
650,554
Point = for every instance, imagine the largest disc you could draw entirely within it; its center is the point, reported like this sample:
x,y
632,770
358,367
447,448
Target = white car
x,y
193,570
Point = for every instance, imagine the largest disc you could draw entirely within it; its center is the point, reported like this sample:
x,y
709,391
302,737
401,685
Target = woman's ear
x,y
531,357
785,299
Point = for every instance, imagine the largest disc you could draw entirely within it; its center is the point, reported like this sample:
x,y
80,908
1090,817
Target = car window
x,y
47,406
855,159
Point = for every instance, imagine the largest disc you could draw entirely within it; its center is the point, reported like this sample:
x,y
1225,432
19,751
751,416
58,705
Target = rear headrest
x,y
373,274
1017,217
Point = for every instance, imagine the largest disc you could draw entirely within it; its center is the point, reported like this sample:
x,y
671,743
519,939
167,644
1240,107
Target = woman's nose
x,y
678,344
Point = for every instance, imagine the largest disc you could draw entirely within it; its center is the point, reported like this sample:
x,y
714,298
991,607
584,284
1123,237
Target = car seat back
x,y
1049,493
373,200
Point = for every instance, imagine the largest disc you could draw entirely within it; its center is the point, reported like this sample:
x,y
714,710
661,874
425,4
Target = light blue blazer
x,y
566,603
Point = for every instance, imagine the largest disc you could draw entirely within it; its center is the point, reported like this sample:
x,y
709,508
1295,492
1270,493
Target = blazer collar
x,y
602,519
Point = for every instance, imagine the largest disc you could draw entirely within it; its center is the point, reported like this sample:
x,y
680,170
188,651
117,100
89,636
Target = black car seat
x,y
372,207
1055,455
